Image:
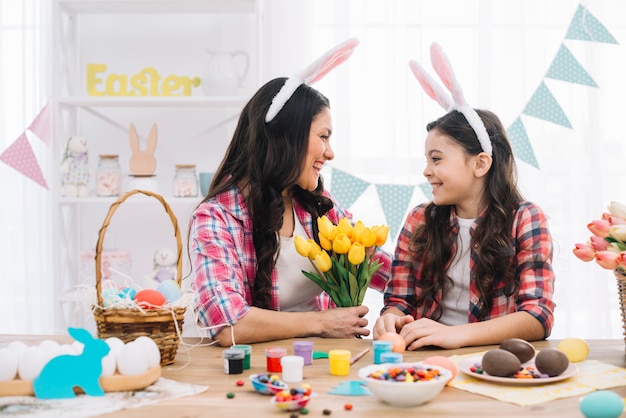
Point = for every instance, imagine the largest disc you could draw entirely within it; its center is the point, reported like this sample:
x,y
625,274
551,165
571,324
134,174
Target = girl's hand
x,y
426,332
390,322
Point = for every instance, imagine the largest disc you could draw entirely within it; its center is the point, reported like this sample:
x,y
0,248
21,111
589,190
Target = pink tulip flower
x,y
599,228
598,244
585,252
612,219
621,259
607,259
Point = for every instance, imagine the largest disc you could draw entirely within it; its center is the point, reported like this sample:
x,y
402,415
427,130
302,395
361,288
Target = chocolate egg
x,y
521,348
551,361
500,363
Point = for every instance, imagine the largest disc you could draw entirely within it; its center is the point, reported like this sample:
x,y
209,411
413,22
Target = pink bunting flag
x,y
21,157
40,126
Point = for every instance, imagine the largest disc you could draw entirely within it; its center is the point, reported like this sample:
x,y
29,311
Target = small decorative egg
x,y
132,360
169,289
444,362
398,345
115,344
31,362
50,349
575,349
110,297
8,364
151,350
18,347
149,298
501,363
109,364
521,348
602,404
551,361
127,293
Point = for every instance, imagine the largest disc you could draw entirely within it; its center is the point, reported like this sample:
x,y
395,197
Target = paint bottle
x,y
292,368
304,349
391,357
272,356
233,361
339,362
380,347
247,351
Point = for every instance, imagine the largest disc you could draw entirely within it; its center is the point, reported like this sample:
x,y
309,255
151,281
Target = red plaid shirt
x,y
534,265
224,259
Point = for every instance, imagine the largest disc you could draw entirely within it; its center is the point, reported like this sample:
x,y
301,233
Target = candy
x,y
230,395
406,375
348,407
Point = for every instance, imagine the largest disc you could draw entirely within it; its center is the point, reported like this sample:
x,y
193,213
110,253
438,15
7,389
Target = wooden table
x,y
204,366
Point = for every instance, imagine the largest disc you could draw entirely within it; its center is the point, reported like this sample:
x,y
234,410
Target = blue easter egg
x,y
169,289
602,404
109,297
127,293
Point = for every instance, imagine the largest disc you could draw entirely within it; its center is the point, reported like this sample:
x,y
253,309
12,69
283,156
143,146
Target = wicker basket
x,y
128,324
621,293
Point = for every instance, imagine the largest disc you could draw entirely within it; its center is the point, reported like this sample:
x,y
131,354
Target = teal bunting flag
x,y
544,106
565,67
346,187
427,190
394,200
585,27
520,143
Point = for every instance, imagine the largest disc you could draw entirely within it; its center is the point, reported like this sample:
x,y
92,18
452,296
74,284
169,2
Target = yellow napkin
x,y
592,375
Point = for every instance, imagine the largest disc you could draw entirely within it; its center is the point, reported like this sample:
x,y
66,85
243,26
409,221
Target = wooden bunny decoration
x,y
142,162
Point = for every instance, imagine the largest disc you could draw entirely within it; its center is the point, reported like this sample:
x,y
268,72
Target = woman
x,y
268,189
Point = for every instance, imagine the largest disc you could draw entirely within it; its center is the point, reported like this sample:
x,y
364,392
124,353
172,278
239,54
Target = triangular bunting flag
x,y
544,106
585,27
346,188
565,67
40,126
21,157
520,143
427,189
394,200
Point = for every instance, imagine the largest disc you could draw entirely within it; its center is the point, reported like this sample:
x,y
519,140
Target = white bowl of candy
x,y
405,384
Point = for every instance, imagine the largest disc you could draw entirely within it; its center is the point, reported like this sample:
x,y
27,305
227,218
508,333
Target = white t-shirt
x,y
296,291
456,302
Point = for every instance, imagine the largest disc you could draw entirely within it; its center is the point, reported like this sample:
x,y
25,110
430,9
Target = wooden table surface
x,y
203,365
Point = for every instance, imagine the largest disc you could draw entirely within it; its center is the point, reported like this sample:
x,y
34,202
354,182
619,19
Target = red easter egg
x,y
398,345
444,362
149,298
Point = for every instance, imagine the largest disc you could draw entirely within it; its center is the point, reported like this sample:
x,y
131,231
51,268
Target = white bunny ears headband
x,y
442,67
314,72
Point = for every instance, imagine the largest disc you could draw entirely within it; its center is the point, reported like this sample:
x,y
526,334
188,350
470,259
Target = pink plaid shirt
x,y
224,259
534,267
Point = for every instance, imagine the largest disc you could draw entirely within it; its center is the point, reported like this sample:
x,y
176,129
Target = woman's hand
x,y
344,322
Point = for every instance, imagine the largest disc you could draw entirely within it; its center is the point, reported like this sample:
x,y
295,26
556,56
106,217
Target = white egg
x,y
67,349
109,364
78,347
18,347
151,349
8,364
132,360
31,362
50,349
115,344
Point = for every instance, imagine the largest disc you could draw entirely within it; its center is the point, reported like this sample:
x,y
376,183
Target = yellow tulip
x,y
341,244
315,249
303,247
381,234
323,261
368,238
357,231
325,227
326,243
356,255
344,227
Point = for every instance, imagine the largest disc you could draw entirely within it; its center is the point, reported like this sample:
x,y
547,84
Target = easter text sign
x,y
147,82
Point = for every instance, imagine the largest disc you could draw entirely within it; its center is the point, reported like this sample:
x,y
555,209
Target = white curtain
x,y
501,52
26,278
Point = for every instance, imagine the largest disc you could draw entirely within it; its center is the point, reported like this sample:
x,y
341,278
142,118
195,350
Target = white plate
x,y
467,364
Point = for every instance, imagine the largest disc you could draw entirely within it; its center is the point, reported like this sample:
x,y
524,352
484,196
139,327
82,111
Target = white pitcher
x,y
225,73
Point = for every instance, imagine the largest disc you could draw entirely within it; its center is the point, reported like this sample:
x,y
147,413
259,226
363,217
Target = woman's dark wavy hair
x,y
264,159
432,243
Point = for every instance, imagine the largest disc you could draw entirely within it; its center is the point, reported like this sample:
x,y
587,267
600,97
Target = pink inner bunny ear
x,y
321,66
430,86
443,68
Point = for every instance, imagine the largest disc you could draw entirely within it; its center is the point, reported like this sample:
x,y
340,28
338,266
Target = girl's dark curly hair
x,y
432,243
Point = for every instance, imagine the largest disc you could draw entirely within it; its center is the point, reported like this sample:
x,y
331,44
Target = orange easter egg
x,y
149,298
397,342
444,362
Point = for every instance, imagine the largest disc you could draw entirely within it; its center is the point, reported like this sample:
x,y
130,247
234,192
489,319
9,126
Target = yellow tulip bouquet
x,y
343,262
